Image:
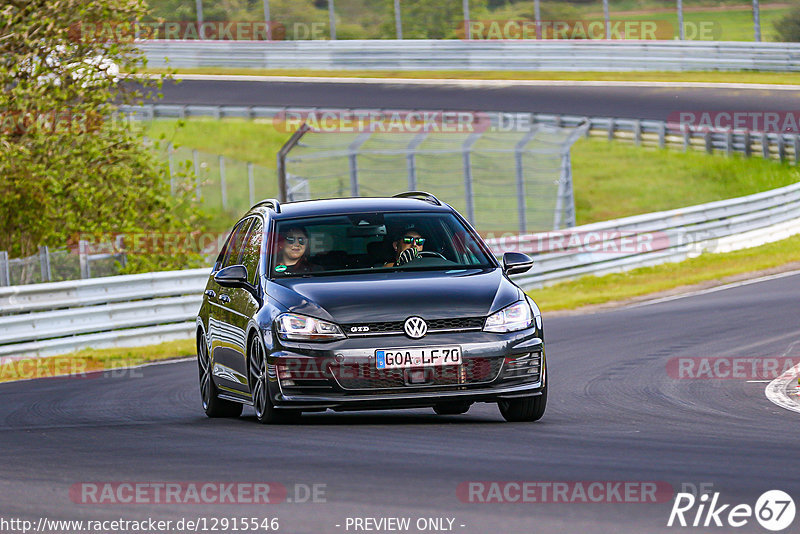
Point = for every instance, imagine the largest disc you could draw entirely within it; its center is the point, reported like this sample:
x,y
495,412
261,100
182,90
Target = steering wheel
x,y
432,254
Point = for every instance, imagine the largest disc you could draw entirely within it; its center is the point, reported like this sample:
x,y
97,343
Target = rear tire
x,y
212,405
266,413
452,408
526,409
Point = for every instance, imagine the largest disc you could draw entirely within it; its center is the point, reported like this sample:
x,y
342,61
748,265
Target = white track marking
x,y
478,82
776,390
714,289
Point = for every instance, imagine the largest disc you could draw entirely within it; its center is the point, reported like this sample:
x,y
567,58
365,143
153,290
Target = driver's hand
x,y
406,256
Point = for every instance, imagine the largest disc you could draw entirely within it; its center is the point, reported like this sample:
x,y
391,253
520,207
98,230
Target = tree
x,y
68,166
788,27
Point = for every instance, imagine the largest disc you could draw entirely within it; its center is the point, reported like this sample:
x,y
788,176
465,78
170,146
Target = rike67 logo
x,y
774,510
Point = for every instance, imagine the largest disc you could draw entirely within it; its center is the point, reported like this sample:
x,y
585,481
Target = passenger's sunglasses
x,y
407,239
300,240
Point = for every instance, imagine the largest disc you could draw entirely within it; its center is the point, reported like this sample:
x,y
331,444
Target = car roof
x,y
340,206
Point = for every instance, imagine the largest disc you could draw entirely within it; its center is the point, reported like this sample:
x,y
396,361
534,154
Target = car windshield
x,y
366,242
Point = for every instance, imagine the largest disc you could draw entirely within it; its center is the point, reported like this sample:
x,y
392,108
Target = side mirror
x,y
232,276
516,262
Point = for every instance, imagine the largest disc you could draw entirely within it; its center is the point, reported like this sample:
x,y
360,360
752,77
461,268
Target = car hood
x,y
395,296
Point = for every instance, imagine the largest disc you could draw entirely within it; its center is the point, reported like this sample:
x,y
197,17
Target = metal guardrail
x,y
47,319
130,310
522,55
654,238
663,134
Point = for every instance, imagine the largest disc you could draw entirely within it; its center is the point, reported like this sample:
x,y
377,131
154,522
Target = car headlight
x,y
296,327
518,316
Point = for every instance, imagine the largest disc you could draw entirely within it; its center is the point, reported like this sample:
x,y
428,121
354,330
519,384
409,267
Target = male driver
x,y
406,247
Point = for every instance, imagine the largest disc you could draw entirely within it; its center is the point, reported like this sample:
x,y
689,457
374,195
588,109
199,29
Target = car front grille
x,y
459,324
366,377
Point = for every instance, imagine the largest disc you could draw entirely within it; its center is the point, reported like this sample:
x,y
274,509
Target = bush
x,y
68,165
788,28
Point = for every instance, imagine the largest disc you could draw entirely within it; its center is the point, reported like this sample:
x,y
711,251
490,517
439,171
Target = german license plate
x,y
417,357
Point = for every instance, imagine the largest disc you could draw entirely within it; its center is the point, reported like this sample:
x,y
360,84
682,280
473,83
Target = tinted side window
x,y
233,249
252,250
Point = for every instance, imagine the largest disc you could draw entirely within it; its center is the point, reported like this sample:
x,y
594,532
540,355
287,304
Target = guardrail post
x,y
748,143
637,132
796,149
687,138
222,188
611,129
708,141
196,162
781,148
5,276
251,182
728,143
662,134
122,256
83,258
44,263
765,145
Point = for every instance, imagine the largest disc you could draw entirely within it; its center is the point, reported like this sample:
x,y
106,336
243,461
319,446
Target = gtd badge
x,y
415,327
356,329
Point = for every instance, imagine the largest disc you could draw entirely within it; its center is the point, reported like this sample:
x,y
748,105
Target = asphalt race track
x,y
596,101
614,414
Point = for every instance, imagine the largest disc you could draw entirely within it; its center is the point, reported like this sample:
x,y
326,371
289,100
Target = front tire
x,y
265,411
526,409
212,405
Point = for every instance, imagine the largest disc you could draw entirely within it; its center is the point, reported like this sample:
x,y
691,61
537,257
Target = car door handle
x,y
225,298
210,293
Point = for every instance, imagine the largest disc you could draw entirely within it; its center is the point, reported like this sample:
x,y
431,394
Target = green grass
x,y
91,360
718,25
615,179
776,78
591,290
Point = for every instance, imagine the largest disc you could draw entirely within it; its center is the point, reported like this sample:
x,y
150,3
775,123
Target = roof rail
x,y
421,195
270,203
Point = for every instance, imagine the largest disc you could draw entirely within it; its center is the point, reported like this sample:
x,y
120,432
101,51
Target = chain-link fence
x,y
501,181
221,183
57,265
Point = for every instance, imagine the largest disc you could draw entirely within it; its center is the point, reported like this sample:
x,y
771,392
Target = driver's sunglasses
x,y
407,239
300,240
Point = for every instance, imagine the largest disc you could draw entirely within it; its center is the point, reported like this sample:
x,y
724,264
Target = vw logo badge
x,y
415,327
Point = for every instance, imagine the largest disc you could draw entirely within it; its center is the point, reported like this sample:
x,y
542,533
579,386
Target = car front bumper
x,y
307,376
